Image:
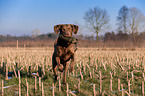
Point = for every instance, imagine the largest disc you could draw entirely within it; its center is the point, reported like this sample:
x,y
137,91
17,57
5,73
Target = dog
x,y
64,49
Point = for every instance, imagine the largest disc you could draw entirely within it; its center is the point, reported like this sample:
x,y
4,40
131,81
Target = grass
x,y
89,62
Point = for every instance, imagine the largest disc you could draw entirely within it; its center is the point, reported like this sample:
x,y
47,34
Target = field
x,y
97,72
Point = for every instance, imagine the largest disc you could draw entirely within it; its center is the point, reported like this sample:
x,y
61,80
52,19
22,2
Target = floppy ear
x,y
57,28
75,29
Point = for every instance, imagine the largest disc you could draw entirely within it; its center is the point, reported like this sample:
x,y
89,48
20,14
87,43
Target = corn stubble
x,y
97,72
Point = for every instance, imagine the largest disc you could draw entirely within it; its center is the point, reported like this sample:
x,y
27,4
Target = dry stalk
x,y
129,86
94,89
2,88
122,89
127,76
14,71
111,85
35,83
118,84
132,76
79,85
142,88
67,91
6,72
72,93
42,89
2,62
81,74
100,82
59,84
53,89
19,83
39,83
27,89
143,76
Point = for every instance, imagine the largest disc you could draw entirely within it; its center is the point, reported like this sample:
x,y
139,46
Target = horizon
x,y
19,18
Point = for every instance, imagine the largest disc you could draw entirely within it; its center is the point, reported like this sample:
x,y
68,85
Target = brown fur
x,y
64,51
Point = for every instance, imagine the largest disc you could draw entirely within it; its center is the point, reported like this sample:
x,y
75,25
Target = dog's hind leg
x,y
65,73
55,73
71,68
54,66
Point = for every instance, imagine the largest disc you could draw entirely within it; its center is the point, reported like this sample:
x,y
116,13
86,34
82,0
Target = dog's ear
x,y
57,28
75,29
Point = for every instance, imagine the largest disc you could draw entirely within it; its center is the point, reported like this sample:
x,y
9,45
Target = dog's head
x,y
66,29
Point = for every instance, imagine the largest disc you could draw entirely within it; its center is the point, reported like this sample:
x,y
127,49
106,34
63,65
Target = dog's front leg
x,y
71,68
59,65
65,73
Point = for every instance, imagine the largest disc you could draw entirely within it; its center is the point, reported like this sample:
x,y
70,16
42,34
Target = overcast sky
x,y
19,17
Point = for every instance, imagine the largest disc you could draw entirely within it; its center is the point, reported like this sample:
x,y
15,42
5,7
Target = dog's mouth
x,y
66,34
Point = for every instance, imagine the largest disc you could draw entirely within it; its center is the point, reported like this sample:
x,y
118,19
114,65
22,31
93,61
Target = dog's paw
x,y
71,69
60,68
55,78
74,41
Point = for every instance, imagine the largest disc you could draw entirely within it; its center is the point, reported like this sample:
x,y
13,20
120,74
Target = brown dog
x,y
64,49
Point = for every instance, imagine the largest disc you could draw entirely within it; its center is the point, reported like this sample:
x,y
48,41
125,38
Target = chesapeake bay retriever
x,y
64,49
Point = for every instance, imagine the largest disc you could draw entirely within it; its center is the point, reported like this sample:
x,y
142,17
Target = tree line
x,y
129,21
8,38
110,39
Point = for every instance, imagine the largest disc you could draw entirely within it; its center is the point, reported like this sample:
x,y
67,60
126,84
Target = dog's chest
x,y
62,43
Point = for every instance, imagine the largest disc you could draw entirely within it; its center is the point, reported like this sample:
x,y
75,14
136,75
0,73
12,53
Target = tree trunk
x,y
97,37
133,37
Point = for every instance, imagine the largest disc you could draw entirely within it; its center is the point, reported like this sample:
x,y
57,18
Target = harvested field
x,y
97,72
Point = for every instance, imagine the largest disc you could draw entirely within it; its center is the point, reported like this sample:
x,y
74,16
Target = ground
x,y
102,68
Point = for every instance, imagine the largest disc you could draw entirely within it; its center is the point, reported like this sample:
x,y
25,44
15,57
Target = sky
x,y
21,17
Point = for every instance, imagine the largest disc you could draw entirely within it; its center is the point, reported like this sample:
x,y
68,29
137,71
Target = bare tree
x,y
35,33
136,21
97,19
122,19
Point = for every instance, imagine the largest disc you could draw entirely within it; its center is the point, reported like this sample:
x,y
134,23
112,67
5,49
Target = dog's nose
x,y
66,33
